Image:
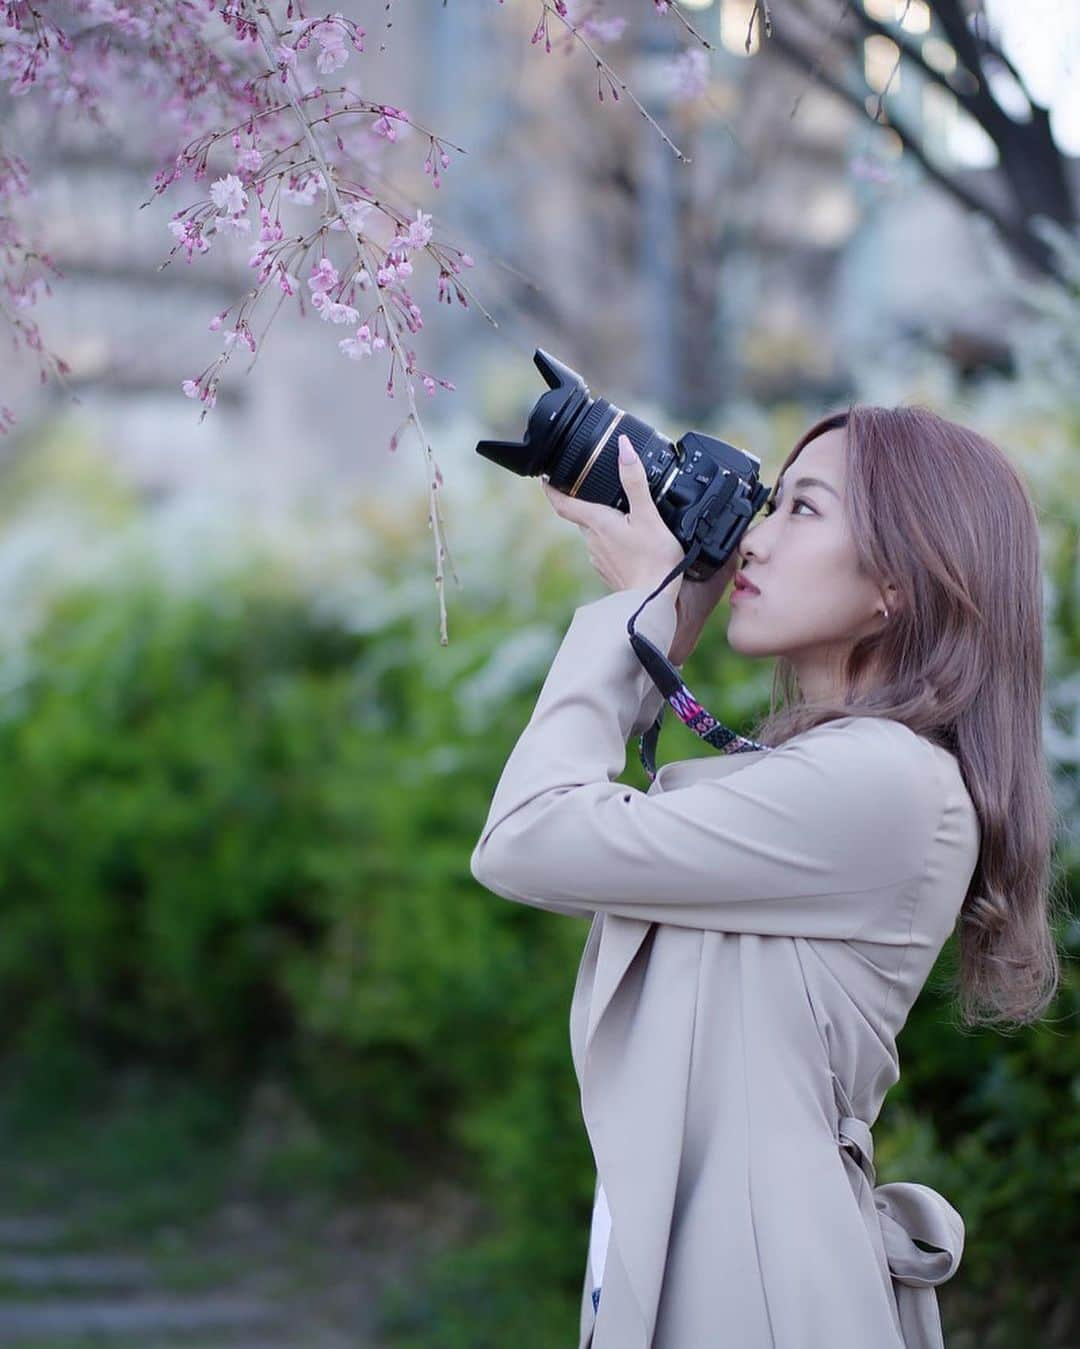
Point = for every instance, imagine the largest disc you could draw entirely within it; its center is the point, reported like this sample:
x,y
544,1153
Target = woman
x,y
762,922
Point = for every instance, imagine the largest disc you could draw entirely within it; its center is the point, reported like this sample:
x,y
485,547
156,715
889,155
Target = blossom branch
x,y
434,475
615,82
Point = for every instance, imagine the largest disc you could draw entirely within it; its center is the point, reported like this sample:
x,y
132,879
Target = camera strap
x,y
666,678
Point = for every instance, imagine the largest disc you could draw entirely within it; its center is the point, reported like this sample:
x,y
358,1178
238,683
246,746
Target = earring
x,y
886,613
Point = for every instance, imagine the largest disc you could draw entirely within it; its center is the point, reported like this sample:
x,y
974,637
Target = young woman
x,y
762,922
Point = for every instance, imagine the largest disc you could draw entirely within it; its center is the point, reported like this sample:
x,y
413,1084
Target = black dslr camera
x,y
705,489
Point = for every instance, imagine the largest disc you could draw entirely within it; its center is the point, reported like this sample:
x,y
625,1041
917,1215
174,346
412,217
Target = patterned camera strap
x,y
666,678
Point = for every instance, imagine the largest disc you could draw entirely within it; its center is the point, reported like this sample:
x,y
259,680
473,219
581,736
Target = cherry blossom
x,y
237,95
228,194
324,276
358,345
332,43
420,230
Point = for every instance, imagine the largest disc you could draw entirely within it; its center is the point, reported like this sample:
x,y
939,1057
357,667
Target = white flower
x,y
233,224
355,213
228,194
338,313
354,347
303,194
419,230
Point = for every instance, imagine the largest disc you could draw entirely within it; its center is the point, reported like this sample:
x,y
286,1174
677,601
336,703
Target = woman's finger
x,y
590,514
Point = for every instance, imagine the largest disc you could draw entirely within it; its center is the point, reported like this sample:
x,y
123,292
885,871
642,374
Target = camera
x,y
704,488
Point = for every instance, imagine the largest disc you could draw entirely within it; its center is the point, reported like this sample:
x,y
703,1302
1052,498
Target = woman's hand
x,y
629,551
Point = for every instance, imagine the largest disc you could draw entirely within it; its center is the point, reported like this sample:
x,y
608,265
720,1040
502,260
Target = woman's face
x,y
814,602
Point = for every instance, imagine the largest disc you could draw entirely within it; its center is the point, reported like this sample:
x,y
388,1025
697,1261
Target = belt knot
x,y
908,1212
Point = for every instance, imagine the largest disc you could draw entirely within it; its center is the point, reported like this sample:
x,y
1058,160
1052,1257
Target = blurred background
x,y
276,1071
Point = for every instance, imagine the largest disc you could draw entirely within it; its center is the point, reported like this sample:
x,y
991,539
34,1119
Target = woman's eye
x,y
770,506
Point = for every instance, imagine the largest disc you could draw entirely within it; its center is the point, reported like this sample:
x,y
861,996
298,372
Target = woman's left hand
x,y
629,551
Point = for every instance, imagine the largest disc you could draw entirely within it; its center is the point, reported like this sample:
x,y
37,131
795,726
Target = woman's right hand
x,y
694,603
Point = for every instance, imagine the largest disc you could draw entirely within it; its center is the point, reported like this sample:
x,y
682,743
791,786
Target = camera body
x,y
703,487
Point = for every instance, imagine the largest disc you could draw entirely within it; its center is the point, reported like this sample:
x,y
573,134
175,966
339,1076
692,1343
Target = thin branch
x,y
912,53
674,9
616,80
892,73
815,66
765,22
365,261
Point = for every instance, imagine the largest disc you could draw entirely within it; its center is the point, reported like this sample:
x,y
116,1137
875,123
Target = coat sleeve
x,y
820,837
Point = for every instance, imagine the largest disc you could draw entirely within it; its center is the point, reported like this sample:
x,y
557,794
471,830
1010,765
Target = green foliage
x,y
236,839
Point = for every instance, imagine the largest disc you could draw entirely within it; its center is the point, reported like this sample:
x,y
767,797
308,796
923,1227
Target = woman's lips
x,y
744,587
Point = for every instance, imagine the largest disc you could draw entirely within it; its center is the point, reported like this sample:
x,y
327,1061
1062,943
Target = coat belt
x,y
907,1212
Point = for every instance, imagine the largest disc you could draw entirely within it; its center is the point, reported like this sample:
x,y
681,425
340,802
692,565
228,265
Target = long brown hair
x,y
938,510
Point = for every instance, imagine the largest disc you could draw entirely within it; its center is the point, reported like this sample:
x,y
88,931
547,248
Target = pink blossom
x,y
419,230
337,313
189,234
270,231
260,257
239,335
221,98
28,294
232,224
332,43
357,347
355,213
384,126
303,194
330,58
228,194
323,276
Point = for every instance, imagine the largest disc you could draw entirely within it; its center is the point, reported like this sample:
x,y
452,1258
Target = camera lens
x,y
573,438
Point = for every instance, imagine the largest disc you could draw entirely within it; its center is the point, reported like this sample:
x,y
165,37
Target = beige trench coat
x,y
761,924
